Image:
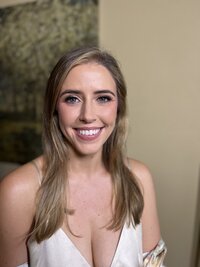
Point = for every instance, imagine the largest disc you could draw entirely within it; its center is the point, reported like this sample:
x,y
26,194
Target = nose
x,y
87,114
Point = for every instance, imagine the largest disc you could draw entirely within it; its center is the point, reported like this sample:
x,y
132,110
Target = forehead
x,y
92,73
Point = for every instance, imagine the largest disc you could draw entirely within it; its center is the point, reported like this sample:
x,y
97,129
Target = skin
x,y
87,101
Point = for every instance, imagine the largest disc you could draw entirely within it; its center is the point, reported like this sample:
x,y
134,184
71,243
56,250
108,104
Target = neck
x,y
85,165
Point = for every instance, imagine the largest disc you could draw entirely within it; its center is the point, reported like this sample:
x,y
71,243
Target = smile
x,y
89,132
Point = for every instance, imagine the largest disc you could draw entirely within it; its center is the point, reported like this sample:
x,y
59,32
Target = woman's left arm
x,y
151,236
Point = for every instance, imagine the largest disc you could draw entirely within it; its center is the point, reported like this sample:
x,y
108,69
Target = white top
x,y
59,251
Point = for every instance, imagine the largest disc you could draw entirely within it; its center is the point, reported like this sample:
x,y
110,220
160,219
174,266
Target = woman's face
x,y
87,108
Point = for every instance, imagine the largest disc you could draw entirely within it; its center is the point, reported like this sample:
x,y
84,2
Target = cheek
x,y
66,115
110,114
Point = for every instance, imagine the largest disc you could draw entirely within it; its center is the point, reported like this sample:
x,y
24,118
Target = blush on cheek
x,y
110,113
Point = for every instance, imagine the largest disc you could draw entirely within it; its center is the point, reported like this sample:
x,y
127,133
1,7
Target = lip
x,y
88,133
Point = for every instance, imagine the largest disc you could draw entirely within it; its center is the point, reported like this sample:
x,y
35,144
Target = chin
x,y
87,152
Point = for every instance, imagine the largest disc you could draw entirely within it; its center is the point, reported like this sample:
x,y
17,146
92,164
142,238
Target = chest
x,y
88,242
93,209
60,251
91,202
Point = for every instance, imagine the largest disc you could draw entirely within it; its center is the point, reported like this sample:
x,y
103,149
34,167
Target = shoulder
x,y
17,206
20,182
150,222
18,190
142,173
20,185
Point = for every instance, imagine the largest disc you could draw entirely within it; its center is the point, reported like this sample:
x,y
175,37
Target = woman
x,y
82,203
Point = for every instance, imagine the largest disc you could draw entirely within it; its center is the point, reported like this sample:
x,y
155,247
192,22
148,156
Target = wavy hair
x,y
51,197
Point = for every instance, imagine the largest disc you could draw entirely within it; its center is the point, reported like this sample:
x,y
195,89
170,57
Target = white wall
x,y
158,45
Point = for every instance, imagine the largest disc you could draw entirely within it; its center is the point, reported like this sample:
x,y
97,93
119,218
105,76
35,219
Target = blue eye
x,y
104,99
71,99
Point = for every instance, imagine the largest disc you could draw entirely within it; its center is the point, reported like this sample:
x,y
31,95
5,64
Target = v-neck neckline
x,y
81,255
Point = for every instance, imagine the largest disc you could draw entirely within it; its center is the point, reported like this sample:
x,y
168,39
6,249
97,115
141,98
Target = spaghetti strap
x,y
38,171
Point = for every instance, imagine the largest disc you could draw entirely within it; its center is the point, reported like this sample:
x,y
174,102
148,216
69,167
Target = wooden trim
x,y
195,255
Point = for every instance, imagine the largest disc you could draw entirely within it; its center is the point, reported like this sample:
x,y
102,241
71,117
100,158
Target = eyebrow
x,y
70,91
78,92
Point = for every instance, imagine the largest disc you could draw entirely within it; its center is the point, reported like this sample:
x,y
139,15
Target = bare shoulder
x,y
18,189
150,222
17,206
142,172
23,181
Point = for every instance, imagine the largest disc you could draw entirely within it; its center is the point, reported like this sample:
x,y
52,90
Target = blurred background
x,y
158,46
33,36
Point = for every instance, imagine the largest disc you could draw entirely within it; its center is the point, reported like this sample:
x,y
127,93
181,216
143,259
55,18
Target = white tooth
x,y
89,132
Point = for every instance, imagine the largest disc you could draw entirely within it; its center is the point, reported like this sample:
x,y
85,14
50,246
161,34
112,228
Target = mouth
x,y
88,133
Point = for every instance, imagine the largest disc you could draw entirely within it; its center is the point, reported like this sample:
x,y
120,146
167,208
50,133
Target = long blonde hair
x,y
51,198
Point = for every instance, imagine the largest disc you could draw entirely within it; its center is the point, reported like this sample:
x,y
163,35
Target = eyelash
x,y
104,99
71,99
